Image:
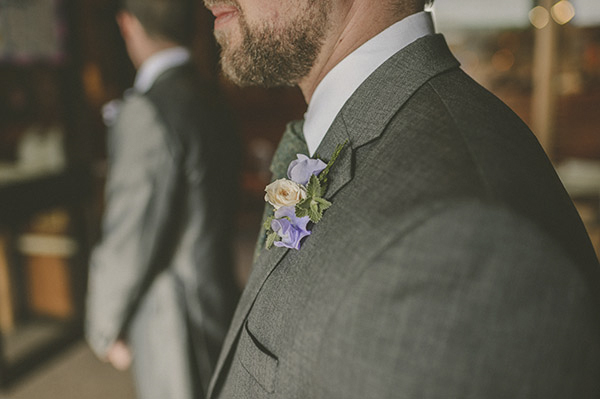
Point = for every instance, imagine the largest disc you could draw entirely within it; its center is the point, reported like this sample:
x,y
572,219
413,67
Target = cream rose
x,y
284,192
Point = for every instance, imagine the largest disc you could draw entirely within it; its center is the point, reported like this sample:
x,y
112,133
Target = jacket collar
x,y
157,64
362,120
366,114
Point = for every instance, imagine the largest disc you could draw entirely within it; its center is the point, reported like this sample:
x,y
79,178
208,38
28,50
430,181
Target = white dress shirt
x,y
343,80
145,77
157,64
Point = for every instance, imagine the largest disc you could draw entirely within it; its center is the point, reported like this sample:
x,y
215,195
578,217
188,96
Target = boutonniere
x,y
298,200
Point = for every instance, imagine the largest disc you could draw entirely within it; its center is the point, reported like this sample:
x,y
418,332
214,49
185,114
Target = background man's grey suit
x,y
452,263
162,274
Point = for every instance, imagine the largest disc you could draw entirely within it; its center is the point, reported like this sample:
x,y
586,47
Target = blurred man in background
x,y
443,260
161,286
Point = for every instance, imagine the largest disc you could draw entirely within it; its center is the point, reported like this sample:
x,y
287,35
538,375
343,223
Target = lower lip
x,y
224,18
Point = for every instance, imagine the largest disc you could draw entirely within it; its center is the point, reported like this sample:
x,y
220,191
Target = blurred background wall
x,y
61,60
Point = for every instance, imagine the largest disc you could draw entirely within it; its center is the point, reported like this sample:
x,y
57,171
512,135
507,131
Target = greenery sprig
x,y
314,204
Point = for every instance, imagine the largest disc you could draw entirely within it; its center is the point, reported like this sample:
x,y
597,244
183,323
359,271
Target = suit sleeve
x,y
138,189
473,303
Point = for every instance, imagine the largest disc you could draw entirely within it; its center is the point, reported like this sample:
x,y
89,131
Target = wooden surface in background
x,y
7,322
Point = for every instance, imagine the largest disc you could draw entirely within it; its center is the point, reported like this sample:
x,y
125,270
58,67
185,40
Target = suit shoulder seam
x,y
480,172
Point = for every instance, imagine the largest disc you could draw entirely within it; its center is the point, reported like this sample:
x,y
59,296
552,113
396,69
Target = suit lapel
x,y
366,114
362,120
341,172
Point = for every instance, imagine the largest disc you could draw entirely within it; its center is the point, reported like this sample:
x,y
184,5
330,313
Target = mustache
x,y
213,3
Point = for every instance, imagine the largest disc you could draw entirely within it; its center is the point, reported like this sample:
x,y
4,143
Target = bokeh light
x,y
539,17
562,12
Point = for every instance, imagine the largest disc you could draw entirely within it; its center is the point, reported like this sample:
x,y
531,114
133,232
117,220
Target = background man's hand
x,y
119,355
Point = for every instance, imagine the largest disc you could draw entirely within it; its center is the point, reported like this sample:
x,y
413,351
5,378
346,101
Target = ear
x,y
125,22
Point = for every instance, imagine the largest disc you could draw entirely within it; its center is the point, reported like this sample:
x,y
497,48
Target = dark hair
x,y
166,19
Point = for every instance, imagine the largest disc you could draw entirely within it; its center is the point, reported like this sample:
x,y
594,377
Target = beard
x,y
271,55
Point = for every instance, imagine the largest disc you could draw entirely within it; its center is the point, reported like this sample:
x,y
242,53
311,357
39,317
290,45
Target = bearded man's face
x,y
267,42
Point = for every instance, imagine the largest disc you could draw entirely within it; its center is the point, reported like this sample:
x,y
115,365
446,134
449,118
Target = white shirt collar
x,y
342,81
154,66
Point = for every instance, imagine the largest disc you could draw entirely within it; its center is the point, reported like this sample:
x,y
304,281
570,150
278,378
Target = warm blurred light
x,y
539,17
503,60
570,83
469,61
93,85
563,12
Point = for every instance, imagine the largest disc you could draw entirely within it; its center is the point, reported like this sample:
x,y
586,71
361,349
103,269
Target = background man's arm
x,y
137,205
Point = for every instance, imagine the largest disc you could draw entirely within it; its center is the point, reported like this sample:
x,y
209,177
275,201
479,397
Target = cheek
x,y
230,38
270,12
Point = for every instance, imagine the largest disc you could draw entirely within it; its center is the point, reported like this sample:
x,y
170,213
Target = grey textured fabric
x,y
292,143
452,263
162,274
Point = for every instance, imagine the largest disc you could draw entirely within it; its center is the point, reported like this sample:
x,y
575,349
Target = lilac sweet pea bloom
x,y
302,168
291,231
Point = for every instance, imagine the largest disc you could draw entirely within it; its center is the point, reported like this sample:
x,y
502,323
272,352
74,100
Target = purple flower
x,y
302,168
291,231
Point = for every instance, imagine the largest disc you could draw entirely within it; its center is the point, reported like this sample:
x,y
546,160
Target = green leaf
x,y
314,206
267,223
323,203
302,209
313,189
271,238
315,215
304,204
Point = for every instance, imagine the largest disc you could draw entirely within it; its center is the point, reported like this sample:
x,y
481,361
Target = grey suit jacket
x,y
162,274
452,263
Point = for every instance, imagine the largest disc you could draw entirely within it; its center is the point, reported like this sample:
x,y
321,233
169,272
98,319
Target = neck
x,y
358,23
151,47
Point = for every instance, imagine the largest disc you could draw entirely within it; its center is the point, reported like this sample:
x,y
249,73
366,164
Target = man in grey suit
x,y
161,286
450,264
